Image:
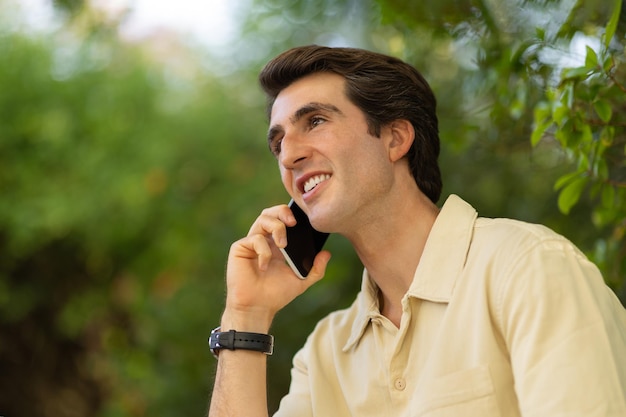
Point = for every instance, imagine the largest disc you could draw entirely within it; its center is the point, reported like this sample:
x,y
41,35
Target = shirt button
x,y
399,384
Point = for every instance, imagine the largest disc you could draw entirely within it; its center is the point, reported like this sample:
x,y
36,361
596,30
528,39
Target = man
x,y
458,315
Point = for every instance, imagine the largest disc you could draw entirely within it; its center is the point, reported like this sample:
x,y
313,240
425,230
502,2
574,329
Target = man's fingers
x,y
319,266
263,250
273,222
255,246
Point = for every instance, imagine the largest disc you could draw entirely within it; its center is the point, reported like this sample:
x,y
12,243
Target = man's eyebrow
x,y
299,114
313,107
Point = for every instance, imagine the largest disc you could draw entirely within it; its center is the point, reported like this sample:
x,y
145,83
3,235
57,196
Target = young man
x,y
458,315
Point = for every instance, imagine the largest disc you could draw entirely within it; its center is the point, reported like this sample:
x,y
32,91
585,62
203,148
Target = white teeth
x,y
314,181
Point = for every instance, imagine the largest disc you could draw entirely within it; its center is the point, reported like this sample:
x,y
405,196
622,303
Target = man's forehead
x,y
319,88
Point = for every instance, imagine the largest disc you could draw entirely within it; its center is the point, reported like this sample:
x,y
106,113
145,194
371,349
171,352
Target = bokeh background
x,y
131,159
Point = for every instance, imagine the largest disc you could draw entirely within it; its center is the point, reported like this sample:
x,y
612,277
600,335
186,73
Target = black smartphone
x,y
303,243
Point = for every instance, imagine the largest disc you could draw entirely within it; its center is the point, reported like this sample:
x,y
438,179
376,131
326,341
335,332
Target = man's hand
x,y
259,282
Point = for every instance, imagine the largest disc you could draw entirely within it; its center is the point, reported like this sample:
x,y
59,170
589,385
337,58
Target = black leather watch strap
x,y
232,340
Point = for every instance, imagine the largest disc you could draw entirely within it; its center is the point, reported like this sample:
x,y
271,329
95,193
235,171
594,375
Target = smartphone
x,y
303,243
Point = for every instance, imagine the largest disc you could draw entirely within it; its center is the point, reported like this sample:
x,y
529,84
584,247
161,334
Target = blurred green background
x,y
128,166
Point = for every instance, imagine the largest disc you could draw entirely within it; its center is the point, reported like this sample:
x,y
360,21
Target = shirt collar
x,y
445,252
441,263
367,308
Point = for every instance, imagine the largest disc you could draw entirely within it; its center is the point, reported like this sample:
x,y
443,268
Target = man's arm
x,y
259,284
240,381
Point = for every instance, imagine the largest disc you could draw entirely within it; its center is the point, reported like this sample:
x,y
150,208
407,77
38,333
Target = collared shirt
x,y
503,318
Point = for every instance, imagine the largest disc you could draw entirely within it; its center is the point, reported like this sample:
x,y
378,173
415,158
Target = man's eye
x,y
275,146
316,120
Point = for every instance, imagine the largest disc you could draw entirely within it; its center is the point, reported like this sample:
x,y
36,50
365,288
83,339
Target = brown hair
x,y
383,87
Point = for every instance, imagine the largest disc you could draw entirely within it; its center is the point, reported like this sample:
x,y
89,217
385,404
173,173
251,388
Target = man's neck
x,y
391,248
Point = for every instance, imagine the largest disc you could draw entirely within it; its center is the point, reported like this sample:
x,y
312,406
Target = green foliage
x,y
585,112
121,189
578,112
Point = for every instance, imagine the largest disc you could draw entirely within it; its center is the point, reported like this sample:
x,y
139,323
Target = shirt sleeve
x,y
566,334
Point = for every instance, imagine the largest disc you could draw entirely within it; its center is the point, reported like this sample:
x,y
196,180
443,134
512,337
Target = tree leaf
x,y
565,179
539,131
570,194
611,27
560,114
580,73
603,109
591,59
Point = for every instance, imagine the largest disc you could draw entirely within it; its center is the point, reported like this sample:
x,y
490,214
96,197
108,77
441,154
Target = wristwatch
x,y
232,340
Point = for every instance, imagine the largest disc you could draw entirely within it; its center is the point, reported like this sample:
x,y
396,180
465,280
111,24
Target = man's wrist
x,y
253,322
233,340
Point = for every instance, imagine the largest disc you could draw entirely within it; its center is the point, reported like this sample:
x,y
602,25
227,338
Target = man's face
x,y
329,163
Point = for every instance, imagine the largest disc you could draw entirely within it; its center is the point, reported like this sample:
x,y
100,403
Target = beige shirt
x,y
503,318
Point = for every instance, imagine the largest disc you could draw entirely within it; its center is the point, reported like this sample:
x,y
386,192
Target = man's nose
x,y
293,151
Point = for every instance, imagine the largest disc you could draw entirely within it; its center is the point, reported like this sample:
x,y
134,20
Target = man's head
x,y
382,87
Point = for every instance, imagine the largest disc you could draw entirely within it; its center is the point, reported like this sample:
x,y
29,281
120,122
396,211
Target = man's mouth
x,y
315,181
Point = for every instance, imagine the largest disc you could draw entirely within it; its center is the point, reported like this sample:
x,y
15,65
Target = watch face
x,y
214,345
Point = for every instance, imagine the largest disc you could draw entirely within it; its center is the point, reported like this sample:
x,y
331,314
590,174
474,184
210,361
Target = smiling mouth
x,y
315,181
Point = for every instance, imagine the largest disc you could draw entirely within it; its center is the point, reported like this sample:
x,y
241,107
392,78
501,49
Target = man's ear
x,y
402,137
